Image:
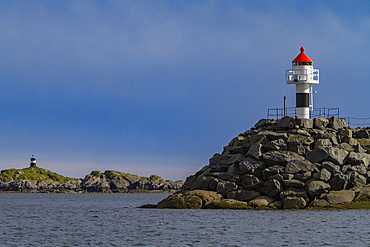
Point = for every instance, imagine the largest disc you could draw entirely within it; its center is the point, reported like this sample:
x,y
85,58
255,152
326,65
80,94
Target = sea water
x,y
115,220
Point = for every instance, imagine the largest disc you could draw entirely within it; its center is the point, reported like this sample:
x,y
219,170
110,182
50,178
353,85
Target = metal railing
x,y
324,112
361,122
276,113
301,75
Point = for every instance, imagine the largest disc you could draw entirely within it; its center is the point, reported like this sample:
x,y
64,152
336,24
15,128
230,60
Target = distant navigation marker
x,y
303,75
33,161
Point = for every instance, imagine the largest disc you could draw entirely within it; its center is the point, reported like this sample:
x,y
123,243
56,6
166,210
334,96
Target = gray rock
x,y
270,135
293,183
233,170
303,176
297,147
189,182
228,160
255,151
356,180
280,157
271,171
97,184
358,158
342,196
276,145
249,165
339,181
293,202
323,175
278,204
361,169
243,195
319,123
337,123
323,143
330,166
222,175
118,184
345,132
263,122
251,182
351,141
285,122
294,192
317,155
288,176
316,188
194,199
362,134
215,163
324,135
271,188
336,155
257,139
346,147
225,187
213,184
305,140
319,203
305,123
261,201
205,171
359,149
201,183
277,177
239,149
299,166
299,132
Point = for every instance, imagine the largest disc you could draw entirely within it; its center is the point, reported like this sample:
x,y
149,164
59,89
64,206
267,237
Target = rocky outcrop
x,y
41,186
113,181
287,163
109,181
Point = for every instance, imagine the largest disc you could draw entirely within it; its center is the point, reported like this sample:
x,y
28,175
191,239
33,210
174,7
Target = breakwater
x,y
287,163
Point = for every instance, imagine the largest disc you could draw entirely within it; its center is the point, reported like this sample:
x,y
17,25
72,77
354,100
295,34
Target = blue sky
x,y
158,87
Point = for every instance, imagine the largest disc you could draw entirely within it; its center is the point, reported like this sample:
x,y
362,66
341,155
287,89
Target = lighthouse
x,y
304,76
33,161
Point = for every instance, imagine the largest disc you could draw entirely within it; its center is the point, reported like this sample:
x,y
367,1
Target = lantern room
x,y
302,71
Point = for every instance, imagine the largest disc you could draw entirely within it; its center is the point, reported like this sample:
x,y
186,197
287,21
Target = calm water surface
x,y
114,220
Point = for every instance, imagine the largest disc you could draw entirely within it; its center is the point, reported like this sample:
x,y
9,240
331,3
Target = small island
x,y
287,163
35,179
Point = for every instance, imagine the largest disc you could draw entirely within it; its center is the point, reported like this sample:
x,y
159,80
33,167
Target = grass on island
x,y
112,173
32,174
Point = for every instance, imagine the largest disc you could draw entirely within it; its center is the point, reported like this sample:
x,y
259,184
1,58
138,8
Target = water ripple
x,y
113,220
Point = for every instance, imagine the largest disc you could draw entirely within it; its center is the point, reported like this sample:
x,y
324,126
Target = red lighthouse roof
x,y
302,57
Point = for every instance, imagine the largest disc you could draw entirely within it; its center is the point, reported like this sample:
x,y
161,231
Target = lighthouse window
x,y
302,63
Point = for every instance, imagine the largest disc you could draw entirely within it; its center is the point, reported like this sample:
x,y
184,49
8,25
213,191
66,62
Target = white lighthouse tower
x,y
304,76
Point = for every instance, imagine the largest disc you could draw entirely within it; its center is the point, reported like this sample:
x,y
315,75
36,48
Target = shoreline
x,y
86,192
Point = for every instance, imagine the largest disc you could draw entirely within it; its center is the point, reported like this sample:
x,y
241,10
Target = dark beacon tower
x,y
303,75
33,161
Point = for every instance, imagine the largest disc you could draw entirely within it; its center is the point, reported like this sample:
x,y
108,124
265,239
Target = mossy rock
x,y
155,177
228,204
96,173
194,199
